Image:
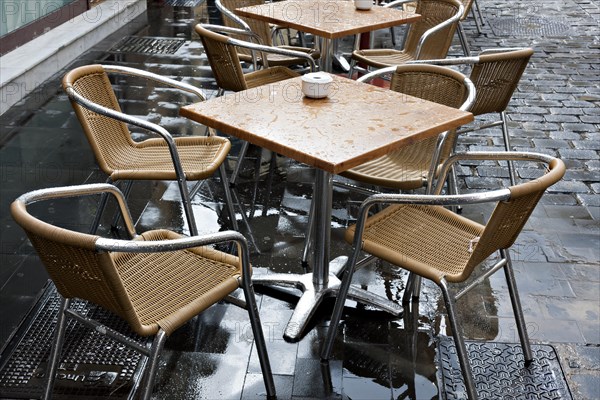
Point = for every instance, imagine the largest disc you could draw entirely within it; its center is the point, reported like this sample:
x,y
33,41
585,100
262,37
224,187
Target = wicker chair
x,y
495,74
182,159
414,166
223,57
428,38
410,167
420,235
156,282
262,30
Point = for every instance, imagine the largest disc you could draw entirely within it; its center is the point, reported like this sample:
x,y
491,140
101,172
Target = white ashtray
x,y
363,4
316,85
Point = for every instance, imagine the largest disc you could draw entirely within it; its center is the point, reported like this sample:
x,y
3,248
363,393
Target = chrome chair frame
x,y
422,39
437,199
472,60
141,246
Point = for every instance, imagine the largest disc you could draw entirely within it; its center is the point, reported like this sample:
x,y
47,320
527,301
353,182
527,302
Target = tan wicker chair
x,y
496,74
156,282
262,31
409,167
418,234
414,166
223,56
182,159
428,38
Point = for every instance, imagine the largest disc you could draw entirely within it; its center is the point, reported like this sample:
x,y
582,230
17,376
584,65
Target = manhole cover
x,y
499,368
92,366
527,27
148,45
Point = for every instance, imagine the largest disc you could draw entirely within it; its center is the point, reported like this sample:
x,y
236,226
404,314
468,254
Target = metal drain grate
x,y
92,365
148,45
498,368
183,3
531,27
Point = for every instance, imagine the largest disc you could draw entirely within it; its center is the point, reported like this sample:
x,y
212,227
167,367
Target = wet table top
x,y
326,18
356,123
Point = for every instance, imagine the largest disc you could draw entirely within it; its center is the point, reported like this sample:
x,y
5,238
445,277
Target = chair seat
x,y
433,242
168,289
267,76
381,58
281,60
404,169
200,157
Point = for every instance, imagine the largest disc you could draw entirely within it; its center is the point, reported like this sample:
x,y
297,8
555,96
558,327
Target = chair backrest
x,y
432,83
76,267
223,59
108,137
496,77
261,28
509,217
433,13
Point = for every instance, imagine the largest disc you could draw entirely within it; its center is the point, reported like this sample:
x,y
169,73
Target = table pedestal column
x,y
323,281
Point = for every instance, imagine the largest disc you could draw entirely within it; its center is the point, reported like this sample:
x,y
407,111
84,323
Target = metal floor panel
x,y
92,366
183,3
499,372
148,45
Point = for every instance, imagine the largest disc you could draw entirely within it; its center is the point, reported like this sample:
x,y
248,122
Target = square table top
x,y
356,123
329,19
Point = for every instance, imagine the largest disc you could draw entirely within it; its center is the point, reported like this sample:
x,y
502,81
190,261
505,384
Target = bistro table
x,y
356,123
327,19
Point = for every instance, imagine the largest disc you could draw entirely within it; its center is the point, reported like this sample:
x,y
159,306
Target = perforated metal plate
x,y
531,27
148,45
499,372
92,365
183,3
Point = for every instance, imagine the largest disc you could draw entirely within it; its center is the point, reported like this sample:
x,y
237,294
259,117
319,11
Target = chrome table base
x,y
314,294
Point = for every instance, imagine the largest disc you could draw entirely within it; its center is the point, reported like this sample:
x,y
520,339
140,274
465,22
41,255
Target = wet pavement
x,y
555,111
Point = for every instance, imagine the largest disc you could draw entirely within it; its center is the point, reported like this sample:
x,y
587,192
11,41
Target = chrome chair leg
x,y
336,316
59,338
507,146
238,164
150,373
477,17
257,331
126,191
408,289
464,44
228,198
516,305
99,210
461,348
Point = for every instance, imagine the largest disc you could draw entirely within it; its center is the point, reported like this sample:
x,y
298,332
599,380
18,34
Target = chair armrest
x,y
260,47
83,190
490,155
156,78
